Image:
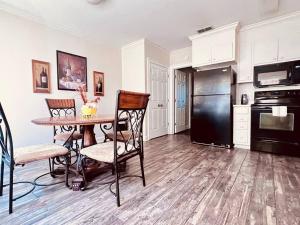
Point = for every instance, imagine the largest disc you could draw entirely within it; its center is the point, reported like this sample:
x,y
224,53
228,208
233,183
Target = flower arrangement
x,y
89,108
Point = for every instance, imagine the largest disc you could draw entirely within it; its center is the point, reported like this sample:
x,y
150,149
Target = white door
x,y
158,113
180,100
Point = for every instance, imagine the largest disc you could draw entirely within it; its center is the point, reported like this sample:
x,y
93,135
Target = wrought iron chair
x,y
133,106
20,156
61,108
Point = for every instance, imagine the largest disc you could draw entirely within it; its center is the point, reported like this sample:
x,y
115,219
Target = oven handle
x,y
261,107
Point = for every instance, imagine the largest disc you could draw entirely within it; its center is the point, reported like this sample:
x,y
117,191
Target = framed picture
x,y
41,77
98,83
71,71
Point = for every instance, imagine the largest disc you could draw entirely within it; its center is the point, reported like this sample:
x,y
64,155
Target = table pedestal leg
x,y
89,136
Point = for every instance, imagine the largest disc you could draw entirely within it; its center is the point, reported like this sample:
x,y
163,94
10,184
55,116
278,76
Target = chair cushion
x,y
126,135
104,152
38,152
66,135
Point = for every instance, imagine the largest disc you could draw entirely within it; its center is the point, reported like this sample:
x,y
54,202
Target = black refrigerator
x,y
213,95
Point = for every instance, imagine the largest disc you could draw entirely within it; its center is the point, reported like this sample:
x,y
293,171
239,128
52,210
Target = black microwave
x,y
286,73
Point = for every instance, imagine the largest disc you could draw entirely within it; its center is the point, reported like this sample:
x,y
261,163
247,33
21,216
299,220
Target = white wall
x,y
181,57
134,63
156,53
133,67
20,42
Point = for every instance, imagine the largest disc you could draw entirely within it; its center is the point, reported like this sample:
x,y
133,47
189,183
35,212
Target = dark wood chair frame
x,y
131,105
7,158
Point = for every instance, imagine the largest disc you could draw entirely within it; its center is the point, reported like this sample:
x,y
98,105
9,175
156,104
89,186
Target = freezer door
x,y
210,82
211,121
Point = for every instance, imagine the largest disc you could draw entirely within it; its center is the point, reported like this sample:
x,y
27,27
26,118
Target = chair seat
x,y
38,152
64,136
125,136
104,152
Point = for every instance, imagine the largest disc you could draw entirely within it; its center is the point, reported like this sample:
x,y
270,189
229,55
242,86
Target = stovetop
x,y
282,97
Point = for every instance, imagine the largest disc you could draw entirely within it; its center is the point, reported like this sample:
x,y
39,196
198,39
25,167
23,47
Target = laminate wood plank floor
x,y
187,184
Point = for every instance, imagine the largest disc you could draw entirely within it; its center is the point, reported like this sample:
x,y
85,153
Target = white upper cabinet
x,y
245,65
203,54
215,46
276,40
289,47
265,51
222,52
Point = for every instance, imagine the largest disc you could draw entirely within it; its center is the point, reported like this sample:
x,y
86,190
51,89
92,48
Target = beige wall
x,y
20,42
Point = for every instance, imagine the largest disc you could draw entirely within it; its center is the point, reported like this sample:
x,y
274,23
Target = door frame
x,y
172,94
147,118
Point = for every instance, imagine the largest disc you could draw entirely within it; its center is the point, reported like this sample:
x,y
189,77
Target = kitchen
x,y
265,73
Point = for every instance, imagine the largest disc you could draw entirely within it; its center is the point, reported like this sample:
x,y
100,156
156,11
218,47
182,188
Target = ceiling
x,y
168,23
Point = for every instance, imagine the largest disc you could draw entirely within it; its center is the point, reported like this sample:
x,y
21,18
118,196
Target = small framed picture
x,y
71,71
41,76
98,83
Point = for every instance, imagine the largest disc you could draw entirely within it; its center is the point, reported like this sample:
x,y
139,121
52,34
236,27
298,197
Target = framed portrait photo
x,y
41,76
98,83
71,71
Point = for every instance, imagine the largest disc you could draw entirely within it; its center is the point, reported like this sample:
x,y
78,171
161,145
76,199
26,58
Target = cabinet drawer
x,y
241,118
242,110
241,137
241,126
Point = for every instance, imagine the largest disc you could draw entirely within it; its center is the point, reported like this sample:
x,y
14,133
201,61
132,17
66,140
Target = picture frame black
x,y
71,71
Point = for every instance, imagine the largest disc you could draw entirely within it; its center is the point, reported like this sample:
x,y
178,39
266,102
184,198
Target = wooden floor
x,y
186,184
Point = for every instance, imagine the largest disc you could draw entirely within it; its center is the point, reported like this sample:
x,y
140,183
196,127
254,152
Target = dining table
x,y
87,123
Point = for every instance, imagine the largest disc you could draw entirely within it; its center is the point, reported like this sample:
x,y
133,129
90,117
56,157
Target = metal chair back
x,y
61,108
132,106
6,142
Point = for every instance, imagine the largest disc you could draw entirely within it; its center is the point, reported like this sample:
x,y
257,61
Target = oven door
x,y
273,133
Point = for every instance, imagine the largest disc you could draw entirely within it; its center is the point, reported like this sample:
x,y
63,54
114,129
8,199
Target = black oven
x,y
274,131
286,73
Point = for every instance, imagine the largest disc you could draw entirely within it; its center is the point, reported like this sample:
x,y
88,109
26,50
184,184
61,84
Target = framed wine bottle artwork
x,y
41,76
98,83
71,71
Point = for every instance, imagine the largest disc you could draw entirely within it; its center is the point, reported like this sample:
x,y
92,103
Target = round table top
x,y
74,120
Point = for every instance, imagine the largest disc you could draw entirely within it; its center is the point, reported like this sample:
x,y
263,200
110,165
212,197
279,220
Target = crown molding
x,y
69,30
216,30
270,21
38,19
135,43
147,41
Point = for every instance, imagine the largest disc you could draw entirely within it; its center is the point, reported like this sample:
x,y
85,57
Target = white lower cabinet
x,y
241,126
